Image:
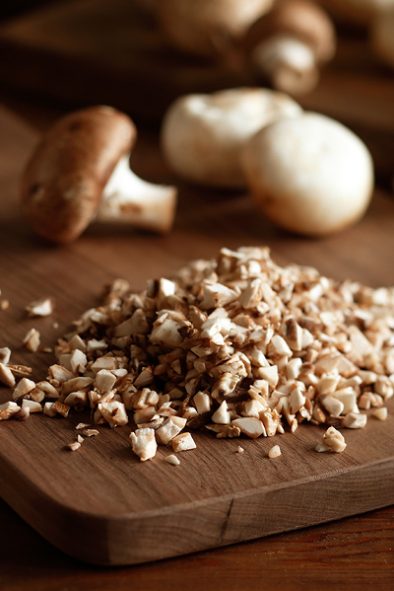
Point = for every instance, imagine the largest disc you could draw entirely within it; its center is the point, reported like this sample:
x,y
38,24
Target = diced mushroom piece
x,y
183,442
380,413
40,308
49,409
169,429
215,295
269,373
6,376
8,409
202,402
32,340
251,427
80,171
78,361
113,412
274,452
143,443
222,415
333,441
333,406
173,460
240,450
74,446
348,397
60,408
23,387
355,421
104,380
59,373
5,355
31,405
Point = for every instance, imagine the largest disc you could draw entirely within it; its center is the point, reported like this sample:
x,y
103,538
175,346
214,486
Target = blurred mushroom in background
x,y
203,134
356,12
288,45
207,27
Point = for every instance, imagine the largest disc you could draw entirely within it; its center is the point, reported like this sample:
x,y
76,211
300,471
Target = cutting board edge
x,y
219,521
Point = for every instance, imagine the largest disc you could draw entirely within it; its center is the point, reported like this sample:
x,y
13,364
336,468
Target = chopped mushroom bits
x,y
238,345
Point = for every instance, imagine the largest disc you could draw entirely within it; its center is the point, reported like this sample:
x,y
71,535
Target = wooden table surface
x,y
355,553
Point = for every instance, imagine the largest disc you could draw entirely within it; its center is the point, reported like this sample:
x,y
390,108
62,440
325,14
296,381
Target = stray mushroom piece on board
x,y
309,174
287,45
80,171
203,134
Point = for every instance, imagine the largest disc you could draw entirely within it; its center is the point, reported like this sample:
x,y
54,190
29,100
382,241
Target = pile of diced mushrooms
x,y
238,346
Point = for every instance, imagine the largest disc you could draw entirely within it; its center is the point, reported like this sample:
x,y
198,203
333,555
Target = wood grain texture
x,y
111,52
350,555
101,504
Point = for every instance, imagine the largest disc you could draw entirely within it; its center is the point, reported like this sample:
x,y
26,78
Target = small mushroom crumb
x,y
90,432
380,413
80,439
143,443
333,441
4,305
32,340
40,308
172,459
183,442
74,446
239,450
6,376
274,452
82,426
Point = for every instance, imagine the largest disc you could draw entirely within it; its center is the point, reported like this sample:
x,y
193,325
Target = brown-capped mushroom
x,y
287,45
207,27
357,12
80,171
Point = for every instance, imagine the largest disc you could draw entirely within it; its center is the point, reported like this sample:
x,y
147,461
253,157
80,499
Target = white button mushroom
x,y
309,174
206,27
203,134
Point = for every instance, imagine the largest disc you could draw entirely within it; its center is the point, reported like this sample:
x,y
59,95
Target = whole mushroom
x,y
309,175
203,134
359,12
207,27
80,172
288,44
382,35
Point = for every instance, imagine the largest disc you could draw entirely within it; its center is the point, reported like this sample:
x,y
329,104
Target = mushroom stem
x,y
288,62
130,200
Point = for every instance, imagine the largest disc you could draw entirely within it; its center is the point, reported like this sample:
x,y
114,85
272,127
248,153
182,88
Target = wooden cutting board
x,y
100,504
97,51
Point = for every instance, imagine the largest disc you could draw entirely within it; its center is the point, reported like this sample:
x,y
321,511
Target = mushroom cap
x,y
383,36
64,179
359,12
299,18
309,174
203,134
203,27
